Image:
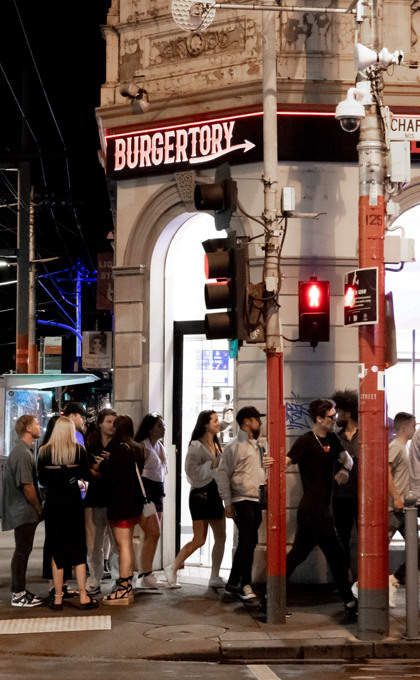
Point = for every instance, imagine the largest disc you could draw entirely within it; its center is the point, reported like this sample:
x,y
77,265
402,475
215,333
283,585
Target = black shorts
x,y
154,492
205,503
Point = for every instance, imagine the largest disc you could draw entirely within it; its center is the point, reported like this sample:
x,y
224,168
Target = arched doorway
x,y
177,301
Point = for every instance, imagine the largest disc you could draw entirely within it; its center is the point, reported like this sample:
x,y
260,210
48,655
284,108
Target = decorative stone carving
x,y
196,44
185,183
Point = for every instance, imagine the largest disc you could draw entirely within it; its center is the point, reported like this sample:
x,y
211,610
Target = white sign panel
x,y
406,128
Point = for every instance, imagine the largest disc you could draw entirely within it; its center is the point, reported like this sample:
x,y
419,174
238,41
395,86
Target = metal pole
x,y
78,319
276,507
373,622
413,371
32,347
411,568
22,293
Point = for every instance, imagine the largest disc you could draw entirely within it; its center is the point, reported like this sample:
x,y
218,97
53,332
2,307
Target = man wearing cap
x,y
77,413
238,477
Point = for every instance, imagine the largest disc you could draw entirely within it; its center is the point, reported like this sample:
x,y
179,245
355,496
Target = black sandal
x,y
92,604
123,593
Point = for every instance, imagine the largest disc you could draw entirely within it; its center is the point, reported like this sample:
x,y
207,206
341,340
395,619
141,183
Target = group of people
x,y
92,498
123,470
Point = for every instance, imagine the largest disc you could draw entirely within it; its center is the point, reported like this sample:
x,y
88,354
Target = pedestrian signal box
x,y
314,311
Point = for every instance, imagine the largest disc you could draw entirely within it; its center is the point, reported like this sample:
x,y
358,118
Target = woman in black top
x,y
125,501
61,464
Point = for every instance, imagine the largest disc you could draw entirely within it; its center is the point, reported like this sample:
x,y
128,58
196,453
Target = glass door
x,y
204,380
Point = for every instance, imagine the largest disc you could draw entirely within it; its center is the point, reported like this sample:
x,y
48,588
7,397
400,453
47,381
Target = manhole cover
x,y
185,632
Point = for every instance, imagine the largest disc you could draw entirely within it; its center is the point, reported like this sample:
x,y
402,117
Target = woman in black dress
x,y
125,501
61,463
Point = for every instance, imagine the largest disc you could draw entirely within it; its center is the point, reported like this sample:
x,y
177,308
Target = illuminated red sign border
x,y
302,135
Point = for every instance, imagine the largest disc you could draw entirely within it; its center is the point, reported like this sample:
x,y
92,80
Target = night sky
x,y
52,65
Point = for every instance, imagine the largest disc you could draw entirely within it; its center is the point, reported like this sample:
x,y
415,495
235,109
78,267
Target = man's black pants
x,y
248,518
310,533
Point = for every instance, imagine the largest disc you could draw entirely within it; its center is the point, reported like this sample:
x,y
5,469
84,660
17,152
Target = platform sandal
x,y
123,593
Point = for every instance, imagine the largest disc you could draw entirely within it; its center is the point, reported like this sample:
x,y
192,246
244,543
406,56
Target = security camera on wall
x,y
351,111
138,96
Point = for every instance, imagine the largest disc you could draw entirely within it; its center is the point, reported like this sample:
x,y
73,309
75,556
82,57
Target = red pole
x,y
373,438
276,487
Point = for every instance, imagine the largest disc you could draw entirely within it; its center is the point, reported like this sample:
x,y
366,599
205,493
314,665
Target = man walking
x,y
96,501
317,453
239,475
345,496
399,486
22,509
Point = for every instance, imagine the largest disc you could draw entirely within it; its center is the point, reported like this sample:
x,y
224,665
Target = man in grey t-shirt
x,y
22,509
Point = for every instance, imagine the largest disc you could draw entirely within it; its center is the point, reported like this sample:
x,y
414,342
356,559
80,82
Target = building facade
x,y
200,103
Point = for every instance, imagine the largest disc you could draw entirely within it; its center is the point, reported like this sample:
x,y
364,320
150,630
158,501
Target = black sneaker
x,y
231,589
350,613
26,600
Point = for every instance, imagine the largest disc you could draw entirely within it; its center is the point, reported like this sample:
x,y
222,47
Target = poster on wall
x,y
97,350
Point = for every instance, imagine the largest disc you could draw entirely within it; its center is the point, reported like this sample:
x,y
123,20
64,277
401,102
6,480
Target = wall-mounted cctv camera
x,y
138,96
351,111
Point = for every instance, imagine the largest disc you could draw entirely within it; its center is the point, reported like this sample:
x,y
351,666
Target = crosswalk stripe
x,y
57,624
262,672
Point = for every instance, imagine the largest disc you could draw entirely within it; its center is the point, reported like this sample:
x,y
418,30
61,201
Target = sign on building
x,y
361,297
97,350
105,281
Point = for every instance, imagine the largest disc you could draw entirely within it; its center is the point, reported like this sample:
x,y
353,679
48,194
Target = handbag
x,y
149,508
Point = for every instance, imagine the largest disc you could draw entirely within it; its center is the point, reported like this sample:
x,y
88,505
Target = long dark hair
x,y
50,426
147,424
124,430
200,428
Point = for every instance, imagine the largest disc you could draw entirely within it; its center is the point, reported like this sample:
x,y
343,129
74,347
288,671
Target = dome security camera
x,y
350,112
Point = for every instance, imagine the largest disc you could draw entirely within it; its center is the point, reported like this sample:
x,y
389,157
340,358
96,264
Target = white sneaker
x,y
150,581
171,576
355,590
217,582
247,593
393,588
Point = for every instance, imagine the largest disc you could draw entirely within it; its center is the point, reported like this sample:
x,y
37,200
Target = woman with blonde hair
x,y
62,462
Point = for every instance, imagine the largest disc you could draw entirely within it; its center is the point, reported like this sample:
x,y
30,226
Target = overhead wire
x,y
65,149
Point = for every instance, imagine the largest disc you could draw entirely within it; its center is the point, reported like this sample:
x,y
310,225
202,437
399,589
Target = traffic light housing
x,y
314,311
221,197
226,265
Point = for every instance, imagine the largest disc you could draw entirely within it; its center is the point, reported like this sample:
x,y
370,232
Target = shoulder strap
x,y
140,481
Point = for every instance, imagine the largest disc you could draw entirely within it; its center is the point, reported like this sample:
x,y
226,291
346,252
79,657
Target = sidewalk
x,y
192,623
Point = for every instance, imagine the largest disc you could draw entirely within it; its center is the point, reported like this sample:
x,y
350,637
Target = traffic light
x,y
226,265
314,311
222,197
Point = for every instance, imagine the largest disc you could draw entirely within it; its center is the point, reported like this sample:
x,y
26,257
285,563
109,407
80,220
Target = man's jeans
x,y
97,528
24,540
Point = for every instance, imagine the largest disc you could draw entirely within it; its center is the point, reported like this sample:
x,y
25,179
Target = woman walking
x,y
151,432
125,502
62,462
206,506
